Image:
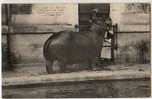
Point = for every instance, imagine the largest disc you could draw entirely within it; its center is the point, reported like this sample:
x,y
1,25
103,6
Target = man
x,y
109,33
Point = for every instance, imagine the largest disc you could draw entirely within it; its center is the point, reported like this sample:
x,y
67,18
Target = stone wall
x,y
28,48
130,45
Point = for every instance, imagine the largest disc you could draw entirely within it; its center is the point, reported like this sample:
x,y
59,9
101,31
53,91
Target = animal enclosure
x,y
26,39
124,59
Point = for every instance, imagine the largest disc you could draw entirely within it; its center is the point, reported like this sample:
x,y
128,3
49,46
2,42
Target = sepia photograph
x,y
76,50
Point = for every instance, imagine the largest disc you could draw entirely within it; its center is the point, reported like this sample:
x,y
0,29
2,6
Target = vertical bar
x,y
114,43
112,46
8,36
116,35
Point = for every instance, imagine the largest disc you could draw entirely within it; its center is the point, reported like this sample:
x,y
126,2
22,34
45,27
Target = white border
x,y
68,1
0,55
76,1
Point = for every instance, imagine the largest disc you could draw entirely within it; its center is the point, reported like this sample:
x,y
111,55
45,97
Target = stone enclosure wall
x,y
88,89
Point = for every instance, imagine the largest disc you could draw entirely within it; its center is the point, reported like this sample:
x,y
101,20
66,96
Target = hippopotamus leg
x,y
55,66
58,66
89,64
49,68
93,64
62,66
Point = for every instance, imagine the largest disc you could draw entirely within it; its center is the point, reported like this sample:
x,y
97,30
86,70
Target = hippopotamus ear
x,y
76,26
90,21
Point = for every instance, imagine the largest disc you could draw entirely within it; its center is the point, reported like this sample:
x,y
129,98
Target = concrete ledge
x,y
76,76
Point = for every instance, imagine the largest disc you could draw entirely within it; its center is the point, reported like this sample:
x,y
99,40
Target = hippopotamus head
x,y
98,26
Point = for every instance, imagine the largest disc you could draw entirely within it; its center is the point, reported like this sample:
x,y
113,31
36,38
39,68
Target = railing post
x,y
8,36
114,43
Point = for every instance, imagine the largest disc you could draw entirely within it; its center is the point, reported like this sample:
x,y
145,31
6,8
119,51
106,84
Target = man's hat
x,y
95,10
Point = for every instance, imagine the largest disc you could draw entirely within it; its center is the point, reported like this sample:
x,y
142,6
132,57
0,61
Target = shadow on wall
x,y
135,52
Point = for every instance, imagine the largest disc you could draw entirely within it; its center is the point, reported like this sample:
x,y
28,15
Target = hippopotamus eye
x,y
99,22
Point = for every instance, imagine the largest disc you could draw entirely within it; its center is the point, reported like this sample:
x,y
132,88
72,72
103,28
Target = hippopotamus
x,y
69,47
